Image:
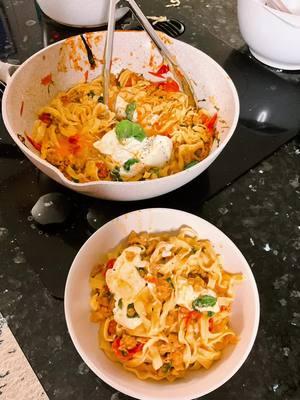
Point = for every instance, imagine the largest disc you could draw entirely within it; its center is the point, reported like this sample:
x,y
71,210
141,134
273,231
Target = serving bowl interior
x,y
64,64
244,319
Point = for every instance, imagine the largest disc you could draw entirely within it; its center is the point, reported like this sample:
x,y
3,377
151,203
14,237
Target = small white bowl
x,y
244,319
79,13
273,36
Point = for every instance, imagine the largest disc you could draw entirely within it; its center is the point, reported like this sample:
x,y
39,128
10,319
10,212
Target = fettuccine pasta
x,y
149,130
163,304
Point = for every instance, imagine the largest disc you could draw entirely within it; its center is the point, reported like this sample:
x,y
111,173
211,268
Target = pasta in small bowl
x,y
165,306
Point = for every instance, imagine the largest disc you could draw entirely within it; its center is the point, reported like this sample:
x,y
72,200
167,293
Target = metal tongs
x,y
178,73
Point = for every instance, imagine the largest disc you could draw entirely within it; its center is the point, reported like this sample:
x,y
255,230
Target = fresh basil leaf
x,y
115,174
127,165
127,129
131,313
210,314
204,301
130,109
191,164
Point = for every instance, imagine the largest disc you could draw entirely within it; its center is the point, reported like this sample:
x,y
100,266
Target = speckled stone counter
x,y
260,212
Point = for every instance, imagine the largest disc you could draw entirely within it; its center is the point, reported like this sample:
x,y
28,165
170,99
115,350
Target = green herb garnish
x,y
169,280
100,99
131,313
75,180
204,301
127,165
120,304
124,352
115,174
130,109
166,368
210,314
91,93
127,129
191,164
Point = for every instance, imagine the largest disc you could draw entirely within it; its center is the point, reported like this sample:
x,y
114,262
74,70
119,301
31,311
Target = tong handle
x,y
163,50
165,53
149,29
109,49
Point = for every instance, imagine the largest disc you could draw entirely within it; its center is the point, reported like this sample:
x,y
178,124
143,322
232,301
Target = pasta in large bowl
x,y
161,303
149,141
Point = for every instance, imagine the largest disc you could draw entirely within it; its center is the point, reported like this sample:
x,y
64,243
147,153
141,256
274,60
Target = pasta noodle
x,y
163,303
69,132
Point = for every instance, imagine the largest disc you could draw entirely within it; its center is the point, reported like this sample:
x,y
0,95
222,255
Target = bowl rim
x,y
87,185
101,373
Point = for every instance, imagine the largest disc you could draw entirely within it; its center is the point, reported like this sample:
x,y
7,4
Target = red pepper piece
x,y
169,86
211,122
110,263
130,353
192,316
46,118
102,170
151,279
161,71
47,80
73,139
128,82
36,145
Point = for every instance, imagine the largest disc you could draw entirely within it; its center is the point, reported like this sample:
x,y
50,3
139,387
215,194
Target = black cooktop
x,y
269,118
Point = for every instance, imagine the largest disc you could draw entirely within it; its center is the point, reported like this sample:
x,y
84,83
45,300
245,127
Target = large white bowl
x,y
24,95
244,320
273,36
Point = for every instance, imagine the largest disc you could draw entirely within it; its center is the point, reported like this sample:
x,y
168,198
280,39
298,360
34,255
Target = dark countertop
x,y
260,212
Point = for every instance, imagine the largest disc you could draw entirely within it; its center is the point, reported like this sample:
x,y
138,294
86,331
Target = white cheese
x,y
123,280
185,295
120,316
120,109
154,151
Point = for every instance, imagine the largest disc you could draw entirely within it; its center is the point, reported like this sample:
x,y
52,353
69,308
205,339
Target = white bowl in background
x,y
79,13
244,319
273,36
